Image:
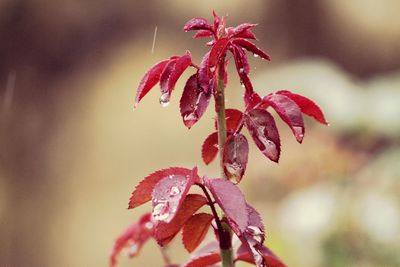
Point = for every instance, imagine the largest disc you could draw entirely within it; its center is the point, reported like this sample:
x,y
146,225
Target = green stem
x,y
226,233
164,253
220,109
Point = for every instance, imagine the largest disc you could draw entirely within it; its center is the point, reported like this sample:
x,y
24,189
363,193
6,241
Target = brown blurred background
x,y
72,149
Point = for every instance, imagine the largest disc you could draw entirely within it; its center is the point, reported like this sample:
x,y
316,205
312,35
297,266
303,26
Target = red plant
x,y
174,209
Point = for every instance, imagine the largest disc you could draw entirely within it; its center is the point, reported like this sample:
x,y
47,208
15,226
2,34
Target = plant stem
x,y
167,260
226,233
220,109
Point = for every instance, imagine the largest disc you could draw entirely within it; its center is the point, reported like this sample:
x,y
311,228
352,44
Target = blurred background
x,y
72,148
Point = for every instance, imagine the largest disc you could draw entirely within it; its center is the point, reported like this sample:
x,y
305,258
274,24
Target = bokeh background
x,y
72,148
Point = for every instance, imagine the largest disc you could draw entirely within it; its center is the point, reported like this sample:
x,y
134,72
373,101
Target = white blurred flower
x,y
379,216
309,213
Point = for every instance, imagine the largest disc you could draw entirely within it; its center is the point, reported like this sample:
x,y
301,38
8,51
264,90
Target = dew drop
x,y
214,224
258,258
241,70
160,212
255,55
149,225
133,250
234,168
270,147
212,69
256,233
298,132
164,100
174,191
190,117
254,230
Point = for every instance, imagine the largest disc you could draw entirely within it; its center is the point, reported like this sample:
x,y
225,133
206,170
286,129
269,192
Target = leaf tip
x,y
189,123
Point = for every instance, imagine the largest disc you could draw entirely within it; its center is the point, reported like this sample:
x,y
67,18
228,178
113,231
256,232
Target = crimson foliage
x,y
174,209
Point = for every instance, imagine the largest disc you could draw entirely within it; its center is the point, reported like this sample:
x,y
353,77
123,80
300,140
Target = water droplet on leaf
x,y
174,191
234,168
190,117
256,233
254,230
164,99
255,55
161,212
149,225
133,249
298,132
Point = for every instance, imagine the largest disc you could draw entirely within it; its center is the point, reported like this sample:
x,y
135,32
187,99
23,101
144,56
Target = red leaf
x,y
253,238
245,81
144,189
165,94
270,259
194,101
235,156
217,21
167,86
256,227
242,68
151,78
306,106
133,238
203,33
204,74
195,230
165,232
220,30
248,34
232,202
169,193
240,29
241,62
209,149
197,24
207,256
252,48
251,100
233,118
217,52
262,128
289,111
